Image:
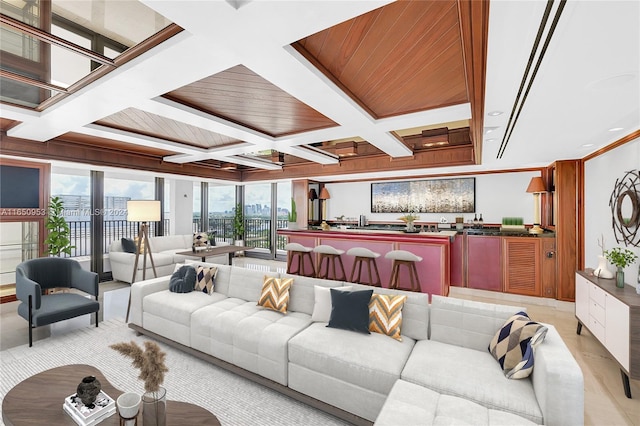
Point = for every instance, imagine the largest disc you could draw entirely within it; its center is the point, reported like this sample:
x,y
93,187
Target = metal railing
x,y
112,230
257,231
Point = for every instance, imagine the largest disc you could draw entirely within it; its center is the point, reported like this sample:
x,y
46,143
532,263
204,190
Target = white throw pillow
x,y
322,302
178,266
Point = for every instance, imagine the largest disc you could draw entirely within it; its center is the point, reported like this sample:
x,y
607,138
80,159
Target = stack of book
x,y
103,407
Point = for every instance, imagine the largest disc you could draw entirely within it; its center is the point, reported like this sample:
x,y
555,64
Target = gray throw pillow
x,y
128,245
350,310
183,280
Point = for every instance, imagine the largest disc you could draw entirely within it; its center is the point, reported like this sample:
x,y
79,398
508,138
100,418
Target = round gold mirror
x,y
627,209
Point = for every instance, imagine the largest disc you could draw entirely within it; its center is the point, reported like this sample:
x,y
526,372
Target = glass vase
x,y
410,227
620,277
154,408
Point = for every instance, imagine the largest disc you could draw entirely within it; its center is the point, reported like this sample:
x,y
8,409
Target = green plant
x,y
293,215
57,240
620,257
238,223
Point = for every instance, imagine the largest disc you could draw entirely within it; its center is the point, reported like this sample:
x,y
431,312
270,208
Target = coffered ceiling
x,y
345,89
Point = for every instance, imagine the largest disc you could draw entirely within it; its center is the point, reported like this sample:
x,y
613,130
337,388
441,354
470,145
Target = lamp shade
x,y
324,194
536,185
143,211
313,195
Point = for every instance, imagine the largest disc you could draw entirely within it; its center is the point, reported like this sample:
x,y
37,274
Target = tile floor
x,y
605,402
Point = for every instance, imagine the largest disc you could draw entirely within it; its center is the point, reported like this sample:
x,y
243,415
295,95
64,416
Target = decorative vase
x,y
88,390
154,408
620,277
411,227
128,406
602,271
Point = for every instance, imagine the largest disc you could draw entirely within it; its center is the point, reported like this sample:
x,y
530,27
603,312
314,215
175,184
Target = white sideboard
x,y
612,315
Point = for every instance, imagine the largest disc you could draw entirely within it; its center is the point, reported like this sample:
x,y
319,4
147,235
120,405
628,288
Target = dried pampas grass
x,y
150,362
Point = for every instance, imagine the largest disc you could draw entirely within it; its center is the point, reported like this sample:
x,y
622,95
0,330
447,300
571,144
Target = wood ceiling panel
x,y
116,146
142,122
241,96
401,58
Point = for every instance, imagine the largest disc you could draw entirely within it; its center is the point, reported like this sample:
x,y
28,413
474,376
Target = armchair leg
x,y
30,321
98,311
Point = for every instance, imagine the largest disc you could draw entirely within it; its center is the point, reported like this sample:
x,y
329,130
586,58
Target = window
x,y
73,186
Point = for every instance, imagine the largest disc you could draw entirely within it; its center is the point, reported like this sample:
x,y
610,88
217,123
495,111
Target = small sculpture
x,y
88,390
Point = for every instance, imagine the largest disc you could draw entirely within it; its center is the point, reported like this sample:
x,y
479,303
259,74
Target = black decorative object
x,y
625,209
88,390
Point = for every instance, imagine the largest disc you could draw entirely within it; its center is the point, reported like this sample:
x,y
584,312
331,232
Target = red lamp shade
x,y
536,185
324,194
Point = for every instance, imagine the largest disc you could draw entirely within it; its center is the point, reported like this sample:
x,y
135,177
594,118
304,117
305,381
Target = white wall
x,y
497,195
600,177
181,216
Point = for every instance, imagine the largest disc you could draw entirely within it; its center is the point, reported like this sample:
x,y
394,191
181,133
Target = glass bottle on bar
x,y
480,221
475,220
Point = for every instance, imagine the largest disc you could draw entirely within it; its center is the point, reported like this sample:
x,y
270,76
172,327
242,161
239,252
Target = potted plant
x,y
238,227
58,237
293,216
621,258
409,218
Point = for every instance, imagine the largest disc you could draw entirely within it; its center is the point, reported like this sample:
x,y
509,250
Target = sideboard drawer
x,y
598,295
597,329
598,312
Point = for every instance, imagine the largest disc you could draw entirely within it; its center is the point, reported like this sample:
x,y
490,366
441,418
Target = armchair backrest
x,y
48,272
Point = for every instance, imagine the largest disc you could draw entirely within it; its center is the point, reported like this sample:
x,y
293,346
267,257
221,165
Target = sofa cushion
x,y
205,278
415,313
513,345
301,293
411,404
177,307
275,294
350,310
168,242
467,323
128,245
322,304
470,374
246,284
385,314
183,280
370,361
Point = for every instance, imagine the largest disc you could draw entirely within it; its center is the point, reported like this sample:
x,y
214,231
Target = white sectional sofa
x,y
163,250
441,371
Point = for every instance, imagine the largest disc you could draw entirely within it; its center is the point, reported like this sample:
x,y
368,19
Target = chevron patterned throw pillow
x,y
514,344
205,279
275,293
385,314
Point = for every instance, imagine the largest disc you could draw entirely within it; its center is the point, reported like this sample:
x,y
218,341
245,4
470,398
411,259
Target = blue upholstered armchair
x,y
34,276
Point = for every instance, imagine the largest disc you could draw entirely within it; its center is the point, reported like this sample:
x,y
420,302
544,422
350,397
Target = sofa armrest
x,y
121,257
85,280
558,382
139,291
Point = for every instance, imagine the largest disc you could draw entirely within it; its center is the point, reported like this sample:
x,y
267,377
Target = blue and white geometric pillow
x,y
514,344
205,279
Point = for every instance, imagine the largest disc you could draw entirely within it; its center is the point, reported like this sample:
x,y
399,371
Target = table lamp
x,y
324,196
536,186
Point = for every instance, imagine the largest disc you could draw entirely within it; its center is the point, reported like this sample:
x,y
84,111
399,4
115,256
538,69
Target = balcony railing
x,y
257,231
112,230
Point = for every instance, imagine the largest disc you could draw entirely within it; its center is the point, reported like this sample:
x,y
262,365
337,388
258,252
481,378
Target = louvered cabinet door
x,y
522,265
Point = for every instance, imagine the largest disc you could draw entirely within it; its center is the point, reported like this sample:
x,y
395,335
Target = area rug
x,y
233,399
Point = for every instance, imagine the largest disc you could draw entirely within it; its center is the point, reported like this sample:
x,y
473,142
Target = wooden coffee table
x,y
215,251
38,400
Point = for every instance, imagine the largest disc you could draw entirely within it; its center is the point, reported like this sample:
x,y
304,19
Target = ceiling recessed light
x,y
495,113
587,145
490,140
488,130
616,129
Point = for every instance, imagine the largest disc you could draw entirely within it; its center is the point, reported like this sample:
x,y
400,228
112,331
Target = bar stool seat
x,y
408,259
299,252
330,254
364,255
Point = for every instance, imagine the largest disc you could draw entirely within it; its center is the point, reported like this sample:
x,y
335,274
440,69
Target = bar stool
x,y
330,254
364,255
403,257
298,251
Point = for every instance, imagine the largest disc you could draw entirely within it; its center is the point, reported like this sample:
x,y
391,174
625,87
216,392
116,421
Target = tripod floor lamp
x,y
142,211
